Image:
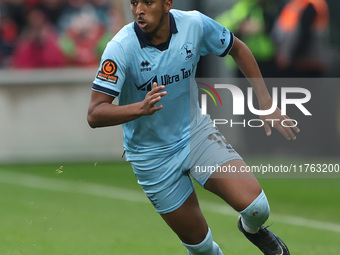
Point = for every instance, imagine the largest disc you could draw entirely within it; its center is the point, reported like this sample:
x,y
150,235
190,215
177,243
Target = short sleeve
x,y
111,74
216,38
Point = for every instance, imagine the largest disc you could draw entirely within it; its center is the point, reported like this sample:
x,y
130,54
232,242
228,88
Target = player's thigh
x,y
165,180
216,166
239,189
188,221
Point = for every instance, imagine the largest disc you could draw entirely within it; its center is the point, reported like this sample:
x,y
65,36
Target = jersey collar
x,y
144,42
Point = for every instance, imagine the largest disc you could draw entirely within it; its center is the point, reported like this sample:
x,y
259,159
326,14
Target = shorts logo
x,y
109,68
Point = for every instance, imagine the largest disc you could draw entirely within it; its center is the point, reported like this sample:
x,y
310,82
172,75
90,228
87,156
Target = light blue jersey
x,y
130,65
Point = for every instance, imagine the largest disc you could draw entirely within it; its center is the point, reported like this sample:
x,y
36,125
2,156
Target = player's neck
x,y
161,33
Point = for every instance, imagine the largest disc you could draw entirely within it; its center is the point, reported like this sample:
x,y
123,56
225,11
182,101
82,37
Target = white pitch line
x,y
60,185
43,183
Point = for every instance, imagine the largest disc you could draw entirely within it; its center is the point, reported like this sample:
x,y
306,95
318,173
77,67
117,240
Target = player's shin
x,y
206,247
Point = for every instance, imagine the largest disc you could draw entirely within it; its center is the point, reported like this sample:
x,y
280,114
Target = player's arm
x,y
102,113
247,64
249,67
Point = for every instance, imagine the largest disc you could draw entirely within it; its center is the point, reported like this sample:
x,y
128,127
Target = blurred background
x,y
50,50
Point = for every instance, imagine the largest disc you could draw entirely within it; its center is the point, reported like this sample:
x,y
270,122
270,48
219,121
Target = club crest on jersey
x,y
188,50
108,71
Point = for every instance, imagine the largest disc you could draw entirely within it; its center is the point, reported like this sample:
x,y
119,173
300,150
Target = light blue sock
x,y
256,214
206,247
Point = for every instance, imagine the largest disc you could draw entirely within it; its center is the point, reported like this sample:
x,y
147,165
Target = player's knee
x,y
206,247
256,213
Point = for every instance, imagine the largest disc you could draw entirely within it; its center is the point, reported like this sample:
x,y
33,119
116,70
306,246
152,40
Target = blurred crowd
x,y
289,38
56,33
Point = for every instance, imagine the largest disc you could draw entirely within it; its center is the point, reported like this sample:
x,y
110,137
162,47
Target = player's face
x,y
149,14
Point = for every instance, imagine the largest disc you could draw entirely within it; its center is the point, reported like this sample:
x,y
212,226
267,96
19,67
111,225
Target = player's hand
x,y
275,120
152,98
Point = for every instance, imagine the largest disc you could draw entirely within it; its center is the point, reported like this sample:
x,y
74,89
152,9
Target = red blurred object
x,y
39,45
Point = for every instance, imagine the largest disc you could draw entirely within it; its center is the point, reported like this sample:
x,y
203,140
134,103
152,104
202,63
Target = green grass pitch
x,y
99,209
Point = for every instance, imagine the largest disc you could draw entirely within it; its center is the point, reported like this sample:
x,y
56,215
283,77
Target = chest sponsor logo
x,y
147,86
166,79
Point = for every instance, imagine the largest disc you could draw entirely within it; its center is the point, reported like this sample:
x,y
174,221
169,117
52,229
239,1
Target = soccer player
x,y
149,65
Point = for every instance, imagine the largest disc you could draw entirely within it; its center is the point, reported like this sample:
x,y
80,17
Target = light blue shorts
x,y
167,180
